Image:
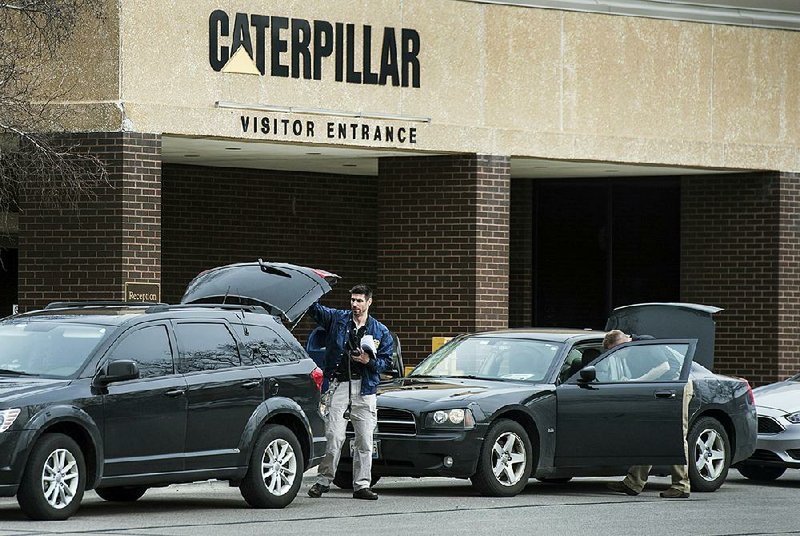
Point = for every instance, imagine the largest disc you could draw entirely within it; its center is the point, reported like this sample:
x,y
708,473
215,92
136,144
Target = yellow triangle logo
x,y
241,63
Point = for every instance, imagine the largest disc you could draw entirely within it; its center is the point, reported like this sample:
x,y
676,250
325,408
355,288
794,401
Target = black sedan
x,y
503,406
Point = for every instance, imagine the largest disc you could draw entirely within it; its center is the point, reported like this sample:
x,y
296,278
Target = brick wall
x,y
216,216
443,247
739,237
520,300
110,236
789,277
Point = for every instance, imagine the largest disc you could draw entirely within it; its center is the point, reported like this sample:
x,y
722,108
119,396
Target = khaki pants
x,y
637,475
364,416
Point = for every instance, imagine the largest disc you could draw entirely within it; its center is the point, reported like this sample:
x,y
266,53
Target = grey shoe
x,y
316,491
674,493
622,487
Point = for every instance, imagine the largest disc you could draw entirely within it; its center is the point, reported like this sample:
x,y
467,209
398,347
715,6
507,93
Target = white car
x,y
778,444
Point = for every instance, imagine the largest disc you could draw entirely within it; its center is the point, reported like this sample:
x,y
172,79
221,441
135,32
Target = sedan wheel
x,y
275,471
54,479
710,454
505,464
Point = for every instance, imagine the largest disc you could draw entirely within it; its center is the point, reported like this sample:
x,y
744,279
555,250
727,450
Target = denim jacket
x,y
336,322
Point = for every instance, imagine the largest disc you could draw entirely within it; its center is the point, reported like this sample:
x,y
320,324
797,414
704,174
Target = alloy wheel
x,y
278,467
508,458
60,478
709,455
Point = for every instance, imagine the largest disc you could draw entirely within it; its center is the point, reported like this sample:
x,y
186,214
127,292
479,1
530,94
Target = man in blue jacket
x,y
358,348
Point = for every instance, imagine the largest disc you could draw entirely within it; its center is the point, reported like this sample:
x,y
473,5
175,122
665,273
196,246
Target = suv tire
x,y
510,438
121,493
710,449
276,469
54,479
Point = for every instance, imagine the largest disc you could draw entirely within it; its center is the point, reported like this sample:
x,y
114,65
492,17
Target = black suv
x,y
123,397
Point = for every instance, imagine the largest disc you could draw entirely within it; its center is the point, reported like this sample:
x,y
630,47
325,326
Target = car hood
x,y
286,290
12,389
783,396
405,392
670,321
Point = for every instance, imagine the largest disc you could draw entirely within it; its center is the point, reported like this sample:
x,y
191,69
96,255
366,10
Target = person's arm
x,y
322,315
654,373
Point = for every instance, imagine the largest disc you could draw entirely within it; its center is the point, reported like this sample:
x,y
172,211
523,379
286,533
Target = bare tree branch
x,y
31,31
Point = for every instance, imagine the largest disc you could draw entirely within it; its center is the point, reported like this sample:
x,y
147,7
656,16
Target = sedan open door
x,y
625,407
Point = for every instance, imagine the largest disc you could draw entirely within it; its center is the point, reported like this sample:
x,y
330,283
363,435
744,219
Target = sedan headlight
x,y
794,418
7,418
461,418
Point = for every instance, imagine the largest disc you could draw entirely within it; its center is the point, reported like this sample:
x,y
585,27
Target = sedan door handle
x,y
665,394
175,393
251,384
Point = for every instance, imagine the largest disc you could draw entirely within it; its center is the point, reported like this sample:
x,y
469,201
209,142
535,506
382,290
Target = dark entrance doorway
x,y
8,279
599,244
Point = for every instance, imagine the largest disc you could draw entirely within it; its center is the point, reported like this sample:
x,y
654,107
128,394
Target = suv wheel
x,y
275,471
504,465
54,479
709,454
121,493
761,473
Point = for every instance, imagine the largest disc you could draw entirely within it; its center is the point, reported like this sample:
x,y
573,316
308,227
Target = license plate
x,y
376,449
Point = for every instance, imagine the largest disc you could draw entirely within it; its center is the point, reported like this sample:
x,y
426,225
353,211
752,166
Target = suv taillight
x,y
317,376
749,392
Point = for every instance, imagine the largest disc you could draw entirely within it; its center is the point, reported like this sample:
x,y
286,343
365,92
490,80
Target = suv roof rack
x,y
162,307
97,303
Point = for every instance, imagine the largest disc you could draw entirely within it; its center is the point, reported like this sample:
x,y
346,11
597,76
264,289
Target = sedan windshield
x,y
491,358
46,348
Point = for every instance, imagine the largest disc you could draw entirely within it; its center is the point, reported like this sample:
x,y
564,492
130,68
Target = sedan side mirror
x,y
587,375
117,371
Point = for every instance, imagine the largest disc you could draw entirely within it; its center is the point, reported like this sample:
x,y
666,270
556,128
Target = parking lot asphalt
x,y
436,506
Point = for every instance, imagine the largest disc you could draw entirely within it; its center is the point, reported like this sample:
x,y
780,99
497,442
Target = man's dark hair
x,y
362,288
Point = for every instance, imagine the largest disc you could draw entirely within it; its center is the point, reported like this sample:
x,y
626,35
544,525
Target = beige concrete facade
x,y
494,79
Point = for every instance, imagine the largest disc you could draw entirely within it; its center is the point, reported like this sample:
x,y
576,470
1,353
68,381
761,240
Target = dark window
x,y
263,345
150,348
206,346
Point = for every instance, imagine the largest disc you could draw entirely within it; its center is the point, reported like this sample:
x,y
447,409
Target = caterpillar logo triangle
x,y
242,63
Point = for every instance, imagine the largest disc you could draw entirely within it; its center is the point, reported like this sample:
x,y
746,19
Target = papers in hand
x,y
368,345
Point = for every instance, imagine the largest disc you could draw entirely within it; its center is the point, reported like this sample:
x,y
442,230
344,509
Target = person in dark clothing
x,y
358,348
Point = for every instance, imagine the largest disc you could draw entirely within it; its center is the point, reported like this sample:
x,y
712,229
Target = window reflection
x,y
206,346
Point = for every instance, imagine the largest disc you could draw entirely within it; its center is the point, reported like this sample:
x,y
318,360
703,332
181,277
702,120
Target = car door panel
x,y
151,441
222,395
622,421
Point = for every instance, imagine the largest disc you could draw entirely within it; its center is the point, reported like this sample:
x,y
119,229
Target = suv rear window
x,y
41,348
263,345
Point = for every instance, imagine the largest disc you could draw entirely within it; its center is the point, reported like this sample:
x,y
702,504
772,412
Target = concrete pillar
x,y
111,235
443,247
740,247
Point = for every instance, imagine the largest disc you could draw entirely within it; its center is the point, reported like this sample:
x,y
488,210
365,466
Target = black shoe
x,y
674,493
622,487
365,493
317,490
